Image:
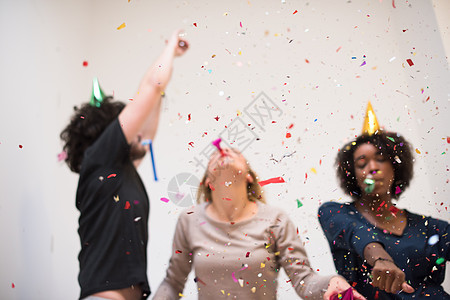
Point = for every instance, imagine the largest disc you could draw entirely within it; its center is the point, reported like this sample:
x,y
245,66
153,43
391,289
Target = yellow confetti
x,y
268,245
277,253
239,113
313,170
240,52
180,294
263,265
116,198
253,290
121,26
417,151
223,292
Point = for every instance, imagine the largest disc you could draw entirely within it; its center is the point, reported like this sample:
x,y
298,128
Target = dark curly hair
x,y
391,145
86,125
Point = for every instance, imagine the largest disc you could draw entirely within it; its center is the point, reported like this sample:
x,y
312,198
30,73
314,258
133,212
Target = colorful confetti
x,y
165,200
121,26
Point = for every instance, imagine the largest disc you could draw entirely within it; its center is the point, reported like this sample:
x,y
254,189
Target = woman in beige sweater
x,y
237,244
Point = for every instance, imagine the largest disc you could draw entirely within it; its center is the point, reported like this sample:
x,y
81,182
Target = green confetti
x,y
440,260
391,139
299,204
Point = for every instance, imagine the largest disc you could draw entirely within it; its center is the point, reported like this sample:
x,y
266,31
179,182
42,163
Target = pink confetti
x,y
62,156
234,278
337,50
240,23
397,190
111,175
272,180
393,3
164,200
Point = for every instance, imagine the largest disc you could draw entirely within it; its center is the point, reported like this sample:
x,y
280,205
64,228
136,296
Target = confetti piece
x,y
391,139
178,251
253,290
85,63
116,198
440,260
62,155
417,151
195,24
111,175
364,62
248,254
307,61
217,118
189,117
240,23
397,190
433,240
20,146
121,26
127,205
314,170
337,50
271,180
288,135
410,62
299,203
448,140
393,3
180,294
392,59
393,210
234,277
13,285
164,200
296,11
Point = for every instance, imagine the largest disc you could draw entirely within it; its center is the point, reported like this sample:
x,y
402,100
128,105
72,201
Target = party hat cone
x,y
97,95
370,125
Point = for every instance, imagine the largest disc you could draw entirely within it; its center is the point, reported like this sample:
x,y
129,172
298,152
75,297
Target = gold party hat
x,y
370,125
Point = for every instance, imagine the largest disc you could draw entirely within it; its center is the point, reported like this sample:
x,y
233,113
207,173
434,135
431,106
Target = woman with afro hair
x,y
385,252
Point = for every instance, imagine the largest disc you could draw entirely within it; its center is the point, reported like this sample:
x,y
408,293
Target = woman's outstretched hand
x,y
339,285
388,277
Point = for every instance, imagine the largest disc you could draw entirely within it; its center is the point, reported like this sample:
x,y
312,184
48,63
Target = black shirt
x,y
114,210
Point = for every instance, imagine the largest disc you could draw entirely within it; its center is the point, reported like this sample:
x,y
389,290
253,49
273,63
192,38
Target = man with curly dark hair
x,y
103,143
388,253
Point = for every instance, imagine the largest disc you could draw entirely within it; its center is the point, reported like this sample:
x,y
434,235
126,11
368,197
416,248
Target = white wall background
x,y
43,46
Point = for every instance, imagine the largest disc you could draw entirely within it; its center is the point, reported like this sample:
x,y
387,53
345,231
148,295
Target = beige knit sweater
x,y
240,260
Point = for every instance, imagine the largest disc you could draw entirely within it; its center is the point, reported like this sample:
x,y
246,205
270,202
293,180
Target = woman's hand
x,y
338,285
388,277
177,44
